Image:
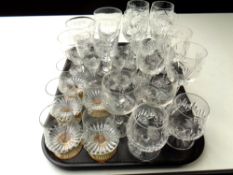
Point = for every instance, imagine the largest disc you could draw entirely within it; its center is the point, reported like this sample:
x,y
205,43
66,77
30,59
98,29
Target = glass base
x,y
142,155
179,144
121,121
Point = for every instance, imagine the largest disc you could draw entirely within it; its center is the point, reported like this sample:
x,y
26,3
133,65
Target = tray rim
x,y
120,165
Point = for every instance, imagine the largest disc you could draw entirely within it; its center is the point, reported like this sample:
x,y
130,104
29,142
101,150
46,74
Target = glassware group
x,y
111,90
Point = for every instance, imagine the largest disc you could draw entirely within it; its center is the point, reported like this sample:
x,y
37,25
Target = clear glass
x,y
150,58
136,18
118,88
162,17
108,21
187,121
186,61
158,90
101,137
66,109
92,62
93,101
64,140
147,131
67,84
118,61
76,43
125,59
81,23
178,33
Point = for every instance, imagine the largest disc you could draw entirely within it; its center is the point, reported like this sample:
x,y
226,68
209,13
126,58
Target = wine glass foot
x,y
142,155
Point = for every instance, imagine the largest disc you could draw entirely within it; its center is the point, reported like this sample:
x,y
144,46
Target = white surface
x,y
29,52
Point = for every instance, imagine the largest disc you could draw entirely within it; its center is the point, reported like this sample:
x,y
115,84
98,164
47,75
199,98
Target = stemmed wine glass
x,y
185,61
135,25
187,120
162,17
147,131
108,20
119,98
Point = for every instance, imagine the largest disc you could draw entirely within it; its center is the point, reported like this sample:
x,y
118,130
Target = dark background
x,y
69,7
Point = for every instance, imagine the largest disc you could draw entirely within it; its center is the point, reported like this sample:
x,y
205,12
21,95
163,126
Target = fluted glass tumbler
x,y
186,61
62,137
93,101
101,137
69,83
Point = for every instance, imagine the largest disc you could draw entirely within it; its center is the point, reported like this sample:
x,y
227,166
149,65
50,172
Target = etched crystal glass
x,y
136,18
93,101
185,63
118,88
65,109
187,120
147,131
68,84
158,90
108,20
76,43
162,17
101,137
63,139
150,58
178,33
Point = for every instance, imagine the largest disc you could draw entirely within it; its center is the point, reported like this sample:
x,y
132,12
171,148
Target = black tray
x,y
123,158
168,157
